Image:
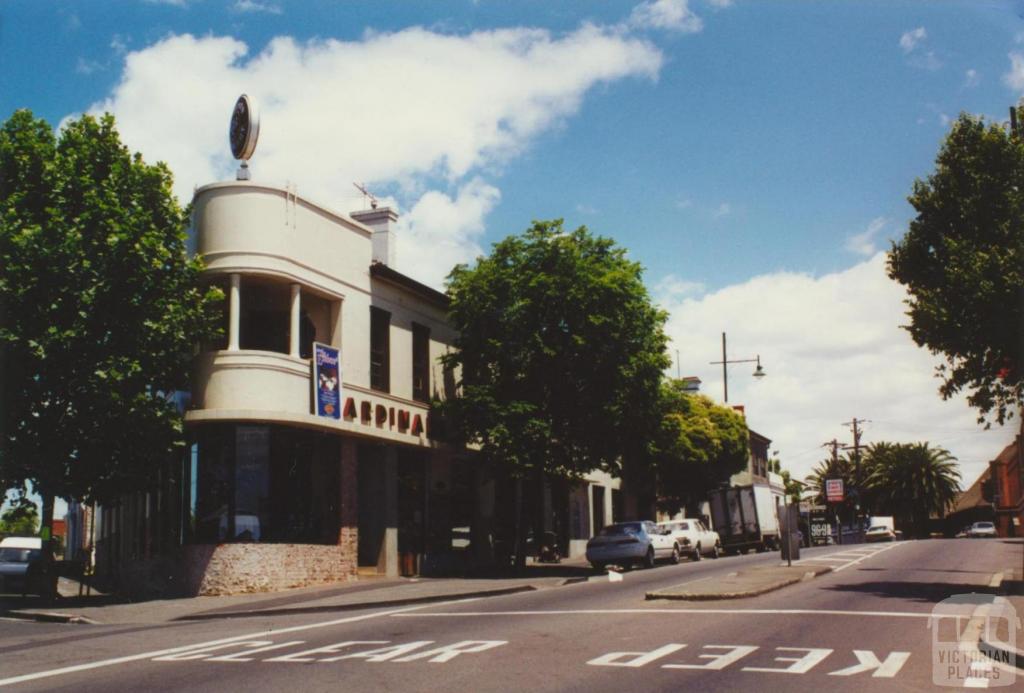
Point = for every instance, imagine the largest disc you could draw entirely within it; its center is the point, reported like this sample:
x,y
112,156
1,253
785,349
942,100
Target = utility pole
x,y
834,444
855,426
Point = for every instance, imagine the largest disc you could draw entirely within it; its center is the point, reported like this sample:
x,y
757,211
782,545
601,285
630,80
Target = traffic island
x,y
747,583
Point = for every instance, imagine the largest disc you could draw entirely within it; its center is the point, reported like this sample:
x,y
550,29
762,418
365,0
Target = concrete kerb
x,y
49,616
743,584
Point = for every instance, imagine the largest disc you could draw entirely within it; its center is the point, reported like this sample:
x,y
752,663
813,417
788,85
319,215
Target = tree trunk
x,y
48,577
518,541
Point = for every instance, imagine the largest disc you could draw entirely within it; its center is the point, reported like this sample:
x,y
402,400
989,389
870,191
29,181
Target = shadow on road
x,y
924,592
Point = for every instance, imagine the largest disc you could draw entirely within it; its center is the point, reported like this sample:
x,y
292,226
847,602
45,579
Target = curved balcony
x,y
252,380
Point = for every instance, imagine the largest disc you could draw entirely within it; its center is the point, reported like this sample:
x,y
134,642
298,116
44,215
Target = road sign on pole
x,y
834,490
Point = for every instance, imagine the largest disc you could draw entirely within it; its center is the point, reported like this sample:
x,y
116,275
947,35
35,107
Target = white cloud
x,y
723,210
912,44
910,39
832,349
87,67
450,228
674,287
119,44
721,3
1014,79
673,15
971,79
254,6
415,110
863,243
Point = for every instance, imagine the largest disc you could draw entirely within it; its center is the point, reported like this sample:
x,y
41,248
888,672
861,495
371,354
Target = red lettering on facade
x,y
349,411
417,425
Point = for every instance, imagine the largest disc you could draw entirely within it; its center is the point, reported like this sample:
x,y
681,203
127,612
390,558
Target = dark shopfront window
x,y
265,484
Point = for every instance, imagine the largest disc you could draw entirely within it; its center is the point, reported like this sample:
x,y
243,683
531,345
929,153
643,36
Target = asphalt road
x,y
864,627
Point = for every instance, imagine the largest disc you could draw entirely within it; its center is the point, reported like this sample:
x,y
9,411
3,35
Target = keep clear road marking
x,y
185,648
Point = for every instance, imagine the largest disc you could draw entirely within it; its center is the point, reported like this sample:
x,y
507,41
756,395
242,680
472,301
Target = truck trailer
x,y
746,517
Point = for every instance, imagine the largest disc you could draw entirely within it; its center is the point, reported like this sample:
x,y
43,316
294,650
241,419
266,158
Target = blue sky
x,y
753,156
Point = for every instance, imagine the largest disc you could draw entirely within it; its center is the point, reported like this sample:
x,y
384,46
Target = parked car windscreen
x,y
13,555
983,525
621,529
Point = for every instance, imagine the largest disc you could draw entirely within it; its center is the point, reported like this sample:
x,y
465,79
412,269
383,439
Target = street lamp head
x,y
759,372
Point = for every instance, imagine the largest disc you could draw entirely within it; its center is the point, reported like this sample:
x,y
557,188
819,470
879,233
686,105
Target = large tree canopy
x,y
698,446
560,352
100,309
962,262
912,481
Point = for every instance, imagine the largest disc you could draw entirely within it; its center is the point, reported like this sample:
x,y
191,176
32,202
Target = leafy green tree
x,y
962,262
21,518
560,353
913,482
100,309
698,446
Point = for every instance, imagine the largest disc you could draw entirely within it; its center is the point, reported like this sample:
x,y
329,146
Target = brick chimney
x,y
381,221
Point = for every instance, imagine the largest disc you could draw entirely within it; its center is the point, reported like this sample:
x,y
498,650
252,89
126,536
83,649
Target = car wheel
x,y
598,566
717,553
697,554
649,557
675,554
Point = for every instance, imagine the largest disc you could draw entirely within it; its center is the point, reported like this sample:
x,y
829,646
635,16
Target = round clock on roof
x,y
245,128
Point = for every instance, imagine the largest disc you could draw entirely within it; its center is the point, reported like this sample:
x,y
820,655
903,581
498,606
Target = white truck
x,y
746,517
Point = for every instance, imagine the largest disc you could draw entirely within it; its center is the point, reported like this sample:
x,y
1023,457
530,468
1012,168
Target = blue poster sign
x,y
326,381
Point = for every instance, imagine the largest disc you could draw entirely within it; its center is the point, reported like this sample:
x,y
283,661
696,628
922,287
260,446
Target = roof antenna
x,y
366,194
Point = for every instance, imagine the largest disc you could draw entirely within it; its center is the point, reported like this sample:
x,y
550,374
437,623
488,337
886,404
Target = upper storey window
x,y
420,363
380,349
264,315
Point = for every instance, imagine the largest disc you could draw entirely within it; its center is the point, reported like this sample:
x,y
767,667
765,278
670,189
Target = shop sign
x,y
834,490
326,381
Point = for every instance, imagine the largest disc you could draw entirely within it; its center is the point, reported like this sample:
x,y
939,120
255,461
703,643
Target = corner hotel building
x,y
271,495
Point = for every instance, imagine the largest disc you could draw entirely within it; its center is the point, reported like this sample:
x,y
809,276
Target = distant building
x,y
1008,489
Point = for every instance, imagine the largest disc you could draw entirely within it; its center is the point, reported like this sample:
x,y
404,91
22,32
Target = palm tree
x,y
913,481
839,468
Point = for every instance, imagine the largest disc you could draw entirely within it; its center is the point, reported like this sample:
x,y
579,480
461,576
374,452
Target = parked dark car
x,y
17,569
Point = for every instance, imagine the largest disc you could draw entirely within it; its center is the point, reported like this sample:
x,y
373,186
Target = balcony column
x,y
293,331
234,311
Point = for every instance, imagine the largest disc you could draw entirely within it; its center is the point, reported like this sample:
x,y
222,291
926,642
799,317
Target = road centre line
x,y
184,648
675,612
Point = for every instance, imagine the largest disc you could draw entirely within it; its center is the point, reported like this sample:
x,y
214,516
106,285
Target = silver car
x,y
982,529
626,543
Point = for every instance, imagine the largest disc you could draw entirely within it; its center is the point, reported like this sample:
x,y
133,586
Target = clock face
x,y
244,129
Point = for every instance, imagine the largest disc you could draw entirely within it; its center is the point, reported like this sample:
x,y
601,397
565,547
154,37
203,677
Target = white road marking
x,y
797,665
673,612
198,646
875,553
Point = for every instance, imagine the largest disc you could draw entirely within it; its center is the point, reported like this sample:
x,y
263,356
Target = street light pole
x,y
758,372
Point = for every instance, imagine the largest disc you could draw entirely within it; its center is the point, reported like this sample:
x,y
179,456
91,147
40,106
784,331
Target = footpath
x,y
367,592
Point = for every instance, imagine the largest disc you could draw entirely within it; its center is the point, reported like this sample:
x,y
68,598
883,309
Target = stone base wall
x,y
239,568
